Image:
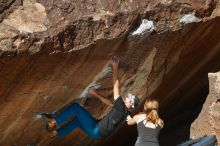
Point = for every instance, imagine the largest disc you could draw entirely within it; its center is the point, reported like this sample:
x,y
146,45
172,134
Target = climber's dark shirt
x,y
114,118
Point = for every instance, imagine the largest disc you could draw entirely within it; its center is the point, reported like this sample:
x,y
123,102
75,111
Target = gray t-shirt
x,y
146,135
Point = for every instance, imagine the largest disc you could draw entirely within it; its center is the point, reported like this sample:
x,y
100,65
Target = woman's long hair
x,y
151,111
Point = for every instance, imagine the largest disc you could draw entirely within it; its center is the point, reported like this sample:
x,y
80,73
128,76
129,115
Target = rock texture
x,y
208,121
50,51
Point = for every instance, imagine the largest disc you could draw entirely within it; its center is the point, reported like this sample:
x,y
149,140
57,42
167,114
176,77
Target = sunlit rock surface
x,y
208,121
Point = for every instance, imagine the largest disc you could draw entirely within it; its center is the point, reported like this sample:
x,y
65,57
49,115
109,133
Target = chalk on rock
x,y
188,18
104,72
45,97
95,85
37,117
146,28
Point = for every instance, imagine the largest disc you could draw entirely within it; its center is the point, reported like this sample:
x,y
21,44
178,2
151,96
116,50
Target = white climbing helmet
x,y
134,100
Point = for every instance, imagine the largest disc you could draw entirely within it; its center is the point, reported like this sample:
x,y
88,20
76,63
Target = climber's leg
x,y
66,129
83,119
67,113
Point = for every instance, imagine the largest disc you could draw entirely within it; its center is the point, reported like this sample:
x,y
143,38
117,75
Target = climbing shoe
x,y
53,134
48,115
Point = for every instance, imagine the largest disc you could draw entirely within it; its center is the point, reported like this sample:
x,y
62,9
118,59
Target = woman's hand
x,y
132,121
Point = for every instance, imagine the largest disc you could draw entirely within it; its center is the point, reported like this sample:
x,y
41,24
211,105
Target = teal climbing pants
x,y
83,120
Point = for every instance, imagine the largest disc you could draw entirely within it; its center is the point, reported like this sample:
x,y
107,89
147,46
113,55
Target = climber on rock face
x,y
148,124
104,127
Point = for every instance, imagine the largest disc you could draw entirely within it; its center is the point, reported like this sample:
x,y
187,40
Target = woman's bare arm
x,y
132,121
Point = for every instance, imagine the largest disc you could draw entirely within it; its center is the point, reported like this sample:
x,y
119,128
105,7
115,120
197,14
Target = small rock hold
x,y
188,18
146,27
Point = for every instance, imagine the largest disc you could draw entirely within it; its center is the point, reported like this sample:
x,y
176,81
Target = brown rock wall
x,y
207,122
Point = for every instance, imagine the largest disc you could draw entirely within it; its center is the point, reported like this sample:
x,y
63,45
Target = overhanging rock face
x,y
50,51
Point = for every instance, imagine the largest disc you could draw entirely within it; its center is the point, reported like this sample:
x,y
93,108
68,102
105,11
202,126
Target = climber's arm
x,y
116,84
93,92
